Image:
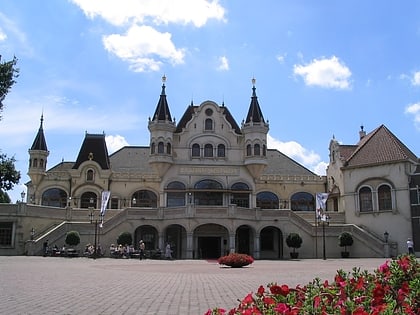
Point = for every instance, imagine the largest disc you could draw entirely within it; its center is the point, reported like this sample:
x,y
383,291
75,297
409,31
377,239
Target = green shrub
x,y
72,238
345,239
294,241
125,238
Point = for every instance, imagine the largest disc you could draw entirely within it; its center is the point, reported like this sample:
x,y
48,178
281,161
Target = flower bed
x,y
235,260
394,288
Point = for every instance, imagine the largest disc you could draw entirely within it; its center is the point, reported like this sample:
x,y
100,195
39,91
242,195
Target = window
x,y
145,198
153,148
208,150
206,193
257,150
208,124
248,150
221,150
88,199
239,198
114,203
303,201
6,233
35,164
176,194
195,150
415,195
54,197
90,175
168,148
161,148
264,150
384,197
267,200
365,199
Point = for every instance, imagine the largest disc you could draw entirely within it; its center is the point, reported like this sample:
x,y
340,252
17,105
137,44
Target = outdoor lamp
x,y
386,235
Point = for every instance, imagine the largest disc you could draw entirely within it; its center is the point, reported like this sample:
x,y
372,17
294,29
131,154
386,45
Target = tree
x,y
294,241
125,238
9,176
72,238
8,75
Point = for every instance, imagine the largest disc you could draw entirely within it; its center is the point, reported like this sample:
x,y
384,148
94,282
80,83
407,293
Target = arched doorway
x,y
149,235
271,243
210,241
176,236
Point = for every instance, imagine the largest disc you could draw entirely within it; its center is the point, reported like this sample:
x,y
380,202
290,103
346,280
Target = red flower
x,y
260,291
268,300
282,308
280,290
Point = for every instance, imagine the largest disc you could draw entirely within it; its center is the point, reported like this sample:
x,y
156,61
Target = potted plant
x,y
125,238
294,241
72,239
345,239
236,260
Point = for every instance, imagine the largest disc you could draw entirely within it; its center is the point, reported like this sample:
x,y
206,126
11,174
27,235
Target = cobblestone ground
x,y
53,285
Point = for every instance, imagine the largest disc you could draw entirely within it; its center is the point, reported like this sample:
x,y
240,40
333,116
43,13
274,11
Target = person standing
x,y
168,251
410,246
141,249
45,248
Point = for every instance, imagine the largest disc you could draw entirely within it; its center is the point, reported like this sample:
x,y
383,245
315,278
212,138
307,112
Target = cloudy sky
x,y
322,69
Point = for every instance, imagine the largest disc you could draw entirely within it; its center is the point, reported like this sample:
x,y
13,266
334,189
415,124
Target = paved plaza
x,y
54,285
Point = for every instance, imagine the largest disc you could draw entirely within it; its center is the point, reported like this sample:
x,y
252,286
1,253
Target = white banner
x,y
104,202
321,202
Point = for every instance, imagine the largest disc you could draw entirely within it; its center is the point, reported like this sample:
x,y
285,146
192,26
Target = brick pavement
x,y
54,285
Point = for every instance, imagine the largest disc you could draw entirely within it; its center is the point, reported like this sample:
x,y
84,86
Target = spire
x,y
254,113
39,142
162,112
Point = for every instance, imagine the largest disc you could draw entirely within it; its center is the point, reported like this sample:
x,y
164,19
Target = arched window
x,y
195,150
88,199
54,197
221,150
153,148
267,200
365,199
264,150
175,194
144,198
161,148
41,163
208,193
384,197
303,201
257,150
208,124
248,150
35,164
90,175
168,148
240,195
208,150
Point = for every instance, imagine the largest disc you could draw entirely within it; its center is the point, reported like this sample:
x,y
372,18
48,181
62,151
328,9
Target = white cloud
x,y
281,58
115,143
3,35
294,150
195,12
223,64
141,46
414,109
326,73
416,79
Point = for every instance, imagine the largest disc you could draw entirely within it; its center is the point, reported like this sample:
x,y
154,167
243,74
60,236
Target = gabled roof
x,y
39,142
93,148
377,147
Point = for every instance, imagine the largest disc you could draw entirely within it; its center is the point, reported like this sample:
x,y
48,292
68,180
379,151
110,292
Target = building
x,y
208,186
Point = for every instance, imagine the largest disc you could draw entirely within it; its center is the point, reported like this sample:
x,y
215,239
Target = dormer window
x,y
90,175
208,125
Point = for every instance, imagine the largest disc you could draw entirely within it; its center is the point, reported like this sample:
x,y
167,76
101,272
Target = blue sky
x,y
322,69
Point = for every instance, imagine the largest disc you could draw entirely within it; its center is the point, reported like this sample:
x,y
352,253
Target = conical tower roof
x,y
162,112
39,142
254,113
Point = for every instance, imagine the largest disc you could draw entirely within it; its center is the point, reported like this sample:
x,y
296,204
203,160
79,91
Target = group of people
x,y
128,251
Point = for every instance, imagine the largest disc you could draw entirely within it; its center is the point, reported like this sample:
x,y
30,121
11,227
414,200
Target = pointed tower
x,y
255,131
161,128
38,154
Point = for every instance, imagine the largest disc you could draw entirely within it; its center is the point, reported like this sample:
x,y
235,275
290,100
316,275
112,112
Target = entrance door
x,y
209,247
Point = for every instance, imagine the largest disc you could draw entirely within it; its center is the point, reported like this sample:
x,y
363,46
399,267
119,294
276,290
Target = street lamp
x,y
386,235
95,221
32,233
323,219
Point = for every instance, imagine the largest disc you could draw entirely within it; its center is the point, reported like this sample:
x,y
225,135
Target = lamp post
x,y
324,219
386,235
32,234
386,245
94,220
22,195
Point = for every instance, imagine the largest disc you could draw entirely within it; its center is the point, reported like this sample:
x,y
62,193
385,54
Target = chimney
x,y
362,133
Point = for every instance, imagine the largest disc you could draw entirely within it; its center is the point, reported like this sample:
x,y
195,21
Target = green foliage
x,y
4,197
294,241
345,239
9,176
72,238
125,238
8,74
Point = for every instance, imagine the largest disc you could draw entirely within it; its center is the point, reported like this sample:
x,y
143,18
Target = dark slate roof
x,y
281,164
254,113
379,146
93,148
39,142
188,114
162,112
